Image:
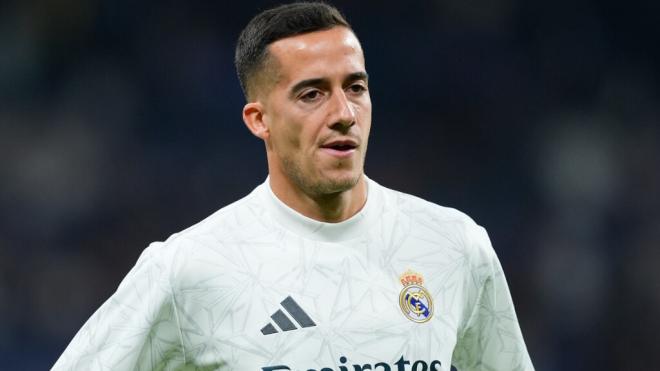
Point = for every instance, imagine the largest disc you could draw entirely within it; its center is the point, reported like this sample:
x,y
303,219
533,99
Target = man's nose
x,y
343,111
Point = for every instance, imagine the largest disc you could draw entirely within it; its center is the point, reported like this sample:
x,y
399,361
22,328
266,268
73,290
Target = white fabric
x,y
199,300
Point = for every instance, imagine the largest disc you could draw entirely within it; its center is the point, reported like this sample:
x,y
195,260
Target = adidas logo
x,y
284,322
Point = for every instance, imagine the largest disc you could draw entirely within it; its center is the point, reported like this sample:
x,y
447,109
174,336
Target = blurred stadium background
x,y
120,124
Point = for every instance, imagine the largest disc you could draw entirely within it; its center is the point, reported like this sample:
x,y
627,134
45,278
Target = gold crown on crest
x,y
411,278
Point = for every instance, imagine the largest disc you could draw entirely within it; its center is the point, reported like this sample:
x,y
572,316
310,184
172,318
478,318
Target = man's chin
x,y
338,183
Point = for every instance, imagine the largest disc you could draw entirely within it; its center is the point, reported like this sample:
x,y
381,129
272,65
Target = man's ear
x,y
253,116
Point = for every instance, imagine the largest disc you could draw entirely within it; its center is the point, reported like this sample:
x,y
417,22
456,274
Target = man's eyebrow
x,y
305,83
358,76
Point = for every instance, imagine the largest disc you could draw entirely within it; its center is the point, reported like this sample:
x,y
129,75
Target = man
x,y
319,268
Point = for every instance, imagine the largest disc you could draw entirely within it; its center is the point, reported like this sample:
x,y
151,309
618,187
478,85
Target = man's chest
x,y
306,306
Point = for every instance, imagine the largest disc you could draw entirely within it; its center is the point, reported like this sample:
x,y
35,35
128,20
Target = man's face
x,y
318,112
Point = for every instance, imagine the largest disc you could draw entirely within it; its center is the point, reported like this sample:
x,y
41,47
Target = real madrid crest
x,y
415,301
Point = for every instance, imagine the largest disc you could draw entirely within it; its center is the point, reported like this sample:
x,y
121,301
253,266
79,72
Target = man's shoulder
x,y
418,208
236,216
218,237
240,219
432,219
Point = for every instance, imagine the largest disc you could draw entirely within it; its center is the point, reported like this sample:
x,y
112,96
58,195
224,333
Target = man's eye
x,y
310,96
357,88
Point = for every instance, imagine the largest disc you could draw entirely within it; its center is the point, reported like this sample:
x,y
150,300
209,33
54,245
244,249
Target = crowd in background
x,y
120,124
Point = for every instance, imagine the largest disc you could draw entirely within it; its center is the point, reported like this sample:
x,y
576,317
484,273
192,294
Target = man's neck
x,y
329,208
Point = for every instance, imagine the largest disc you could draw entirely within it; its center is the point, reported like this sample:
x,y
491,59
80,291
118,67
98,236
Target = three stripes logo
x,y
284,322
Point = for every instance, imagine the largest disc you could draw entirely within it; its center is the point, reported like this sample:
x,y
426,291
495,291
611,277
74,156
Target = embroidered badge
x,y
415,301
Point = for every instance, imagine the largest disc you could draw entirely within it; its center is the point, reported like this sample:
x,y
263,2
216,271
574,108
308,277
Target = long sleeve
x,y
491,339
135,329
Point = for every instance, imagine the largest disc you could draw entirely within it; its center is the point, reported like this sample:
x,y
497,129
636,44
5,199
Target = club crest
x,y
415,301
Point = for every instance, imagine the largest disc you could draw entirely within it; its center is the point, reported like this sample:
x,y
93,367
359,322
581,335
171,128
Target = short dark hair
x,y
278,23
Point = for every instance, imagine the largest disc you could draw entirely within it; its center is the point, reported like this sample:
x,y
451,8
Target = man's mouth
x,y
340,148
341,145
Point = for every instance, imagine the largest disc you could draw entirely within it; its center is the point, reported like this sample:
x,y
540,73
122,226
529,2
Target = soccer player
x,y
319,268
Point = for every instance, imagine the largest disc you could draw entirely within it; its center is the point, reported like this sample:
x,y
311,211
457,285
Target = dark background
x,y
120,123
